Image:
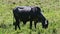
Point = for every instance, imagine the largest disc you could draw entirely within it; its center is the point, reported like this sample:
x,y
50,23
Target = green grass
x,y
51,12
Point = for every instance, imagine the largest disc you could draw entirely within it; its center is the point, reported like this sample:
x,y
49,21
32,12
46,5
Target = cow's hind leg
x,y
17,23
30,24
15,26
24,22
35,22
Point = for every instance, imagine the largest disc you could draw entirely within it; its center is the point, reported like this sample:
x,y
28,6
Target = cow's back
x,y
26,12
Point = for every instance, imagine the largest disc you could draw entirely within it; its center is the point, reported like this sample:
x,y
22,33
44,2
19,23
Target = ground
x,y
50,9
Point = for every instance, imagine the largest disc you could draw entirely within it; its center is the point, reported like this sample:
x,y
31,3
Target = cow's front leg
x,y
30,24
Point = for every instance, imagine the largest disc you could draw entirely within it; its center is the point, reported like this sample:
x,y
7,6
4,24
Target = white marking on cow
x,y
25,9
45,22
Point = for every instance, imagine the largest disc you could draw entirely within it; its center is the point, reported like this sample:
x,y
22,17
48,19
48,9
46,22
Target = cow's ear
x,y
45,22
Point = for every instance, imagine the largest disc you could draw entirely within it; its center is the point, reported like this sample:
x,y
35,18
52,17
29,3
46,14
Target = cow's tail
x,y
13,17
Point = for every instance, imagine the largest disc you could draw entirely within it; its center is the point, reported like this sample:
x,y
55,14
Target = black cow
x,y
29,13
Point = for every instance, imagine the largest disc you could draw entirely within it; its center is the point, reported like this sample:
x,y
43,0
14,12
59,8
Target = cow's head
x,y
45,24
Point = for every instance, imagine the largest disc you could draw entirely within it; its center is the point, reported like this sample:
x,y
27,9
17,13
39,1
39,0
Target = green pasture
x,y
50,9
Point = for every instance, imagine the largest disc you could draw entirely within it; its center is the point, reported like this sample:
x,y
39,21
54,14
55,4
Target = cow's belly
x,y
24,19
28,19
